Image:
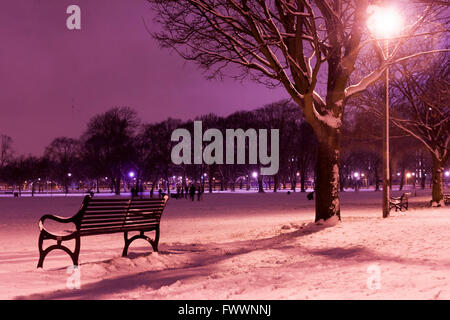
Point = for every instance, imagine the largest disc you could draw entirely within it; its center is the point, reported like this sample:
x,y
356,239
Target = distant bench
x,y
102,216
447,198
400,203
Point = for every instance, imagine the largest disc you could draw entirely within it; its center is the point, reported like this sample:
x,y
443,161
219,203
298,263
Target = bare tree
x,y
288,43
108,142
63,153
421,109
6,150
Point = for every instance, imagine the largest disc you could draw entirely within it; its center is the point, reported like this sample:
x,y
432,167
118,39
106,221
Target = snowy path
x,y
239,246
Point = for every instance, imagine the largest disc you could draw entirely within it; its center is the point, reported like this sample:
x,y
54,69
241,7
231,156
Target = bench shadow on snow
x,y
202,265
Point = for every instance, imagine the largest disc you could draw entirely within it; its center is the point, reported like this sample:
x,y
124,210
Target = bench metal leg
x,y
43,253
141,235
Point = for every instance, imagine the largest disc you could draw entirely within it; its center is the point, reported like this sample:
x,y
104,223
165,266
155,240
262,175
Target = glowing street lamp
x,y
131,174
384,24
255,174
447,174
408,175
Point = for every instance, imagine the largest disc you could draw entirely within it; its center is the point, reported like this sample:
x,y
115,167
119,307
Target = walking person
x,y
199,193
192,192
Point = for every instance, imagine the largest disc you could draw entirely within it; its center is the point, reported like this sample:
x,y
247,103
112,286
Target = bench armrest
x,y
54,218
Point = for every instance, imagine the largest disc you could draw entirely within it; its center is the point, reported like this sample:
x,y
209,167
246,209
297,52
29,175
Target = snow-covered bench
x,y
102,216
400,203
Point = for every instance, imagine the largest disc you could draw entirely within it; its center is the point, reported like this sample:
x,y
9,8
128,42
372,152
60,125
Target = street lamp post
x,y
386,169
384,23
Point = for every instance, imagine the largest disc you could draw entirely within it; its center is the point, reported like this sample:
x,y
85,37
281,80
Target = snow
x,y
239,246
329,119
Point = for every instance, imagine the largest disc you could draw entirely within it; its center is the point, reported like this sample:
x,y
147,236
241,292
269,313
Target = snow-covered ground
x,y
239,246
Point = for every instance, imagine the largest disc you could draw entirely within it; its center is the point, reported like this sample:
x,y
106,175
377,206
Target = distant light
x,y
39,179
356,174
447,173
398,174
362,174
173,177
408,175
298,173
413,173
69,174
106,178
255,174
204,174
131,174
384,22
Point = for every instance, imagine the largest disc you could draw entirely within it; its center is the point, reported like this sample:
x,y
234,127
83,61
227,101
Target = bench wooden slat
x,y
106,208
103,201
122,220
116,230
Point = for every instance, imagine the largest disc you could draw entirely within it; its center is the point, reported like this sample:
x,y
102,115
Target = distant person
x,y
199,193
186,191
160,193
151,193
310,196
192,192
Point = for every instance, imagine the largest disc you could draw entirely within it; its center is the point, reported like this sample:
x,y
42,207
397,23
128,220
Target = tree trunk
x,y
302,181
438,182
260,184
117,185
402,179
327,175
422,173
377,179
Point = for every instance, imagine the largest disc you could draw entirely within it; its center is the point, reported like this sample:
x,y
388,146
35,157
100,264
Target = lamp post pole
x,y
386,171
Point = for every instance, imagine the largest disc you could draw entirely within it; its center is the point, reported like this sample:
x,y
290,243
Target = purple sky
x,y
46,68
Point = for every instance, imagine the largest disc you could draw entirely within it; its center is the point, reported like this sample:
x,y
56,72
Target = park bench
x,y
447,198
400,203
103,216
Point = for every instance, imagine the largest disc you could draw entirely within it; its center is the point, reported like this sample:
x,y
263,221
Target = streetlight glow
x,y
131,174
255,174
384,22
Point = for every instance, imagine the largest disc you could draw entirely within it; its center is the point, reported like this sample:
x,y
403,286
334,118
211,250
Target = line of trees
x,y
116,143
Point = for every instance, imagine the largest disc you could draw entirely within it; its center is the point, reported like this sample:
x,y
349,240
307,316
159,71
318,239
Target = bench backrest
x,y
405,196
109,215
